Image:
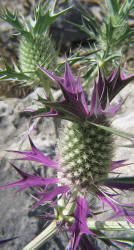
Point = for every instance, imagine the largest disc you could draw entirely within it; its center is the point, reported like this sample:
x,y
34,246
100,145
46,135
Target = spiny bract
x,y
37,50
85,152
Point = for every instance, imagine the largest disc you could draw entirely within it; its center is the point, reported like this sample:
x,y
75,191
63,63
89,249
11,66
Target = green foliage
x,y
110,36
35,45
10,74
13,19
43,17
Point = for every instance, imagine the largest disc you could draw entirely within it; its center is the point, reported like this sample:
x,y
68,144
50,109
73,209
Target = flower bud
x,y
38,50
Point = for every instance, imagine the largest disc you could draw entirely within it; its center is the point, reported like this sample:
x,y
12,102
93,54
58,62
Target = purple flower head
x,y
35,155
84,156
57,187
74,106
73,103
79,226
28,180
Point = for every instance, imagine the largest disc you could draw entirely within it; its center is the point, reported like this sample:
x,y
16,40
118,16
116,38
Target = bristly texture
x,y
37,50
35,46
84,156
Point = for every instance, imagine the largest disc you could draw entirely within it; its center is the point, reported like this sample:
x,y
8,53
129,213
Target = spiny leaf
x,y
124,180
14,21
84,28
112,6
92,21
126,8
115,131
44,19
9,74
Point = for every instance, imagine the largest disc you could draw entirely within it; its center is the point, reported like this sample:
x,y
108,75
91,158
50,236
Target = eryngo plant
x,y
84,161
84,158
110,37
35,45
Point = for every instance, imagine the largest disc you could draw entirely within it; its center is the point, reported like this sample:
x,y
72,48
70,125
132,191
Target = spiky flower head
x,y
35,45
37,50
84,158
85,152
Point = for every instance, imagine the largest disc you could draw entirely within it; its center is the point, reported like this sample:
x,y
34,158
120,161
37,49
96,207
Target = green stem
x,y
109,225
38,241
46,234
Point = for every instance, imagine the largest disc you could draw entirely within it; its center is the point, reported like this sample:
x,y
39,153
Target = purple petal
x,y
49,74
69,83
51,113
50,195
117,164
28,180
116,207
123,212
35,155
79,225
112,75
95,108
116,82
85,243
109,109
104,199
108,88
121,186
100,84
74,101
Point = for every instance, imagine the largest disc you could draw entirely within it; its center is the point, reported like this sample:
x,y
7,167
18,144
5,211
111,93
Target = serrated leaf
x,y
113,55
14,21
84,28
83,57
61,108
45,18
9,74
91,20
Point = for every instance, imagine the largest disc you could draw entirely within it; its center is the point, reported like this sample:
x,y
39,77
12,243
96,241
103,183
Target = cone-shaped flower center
x,y
85,152
39,50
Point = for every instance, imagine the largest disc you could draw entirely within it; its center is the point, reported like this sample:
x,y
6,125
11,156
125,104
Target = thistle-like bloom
x,y
35,45
85,153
